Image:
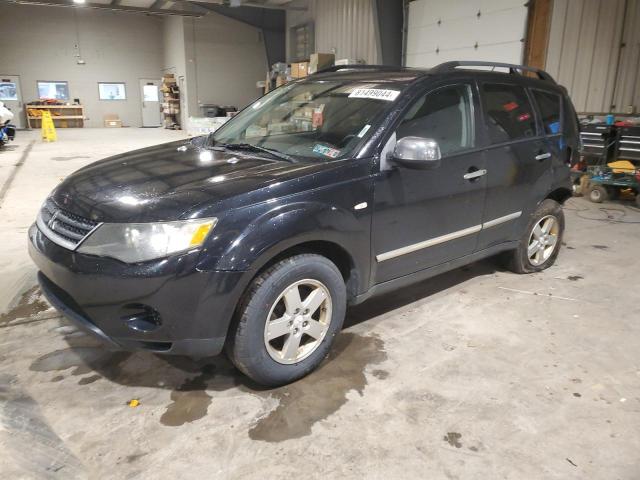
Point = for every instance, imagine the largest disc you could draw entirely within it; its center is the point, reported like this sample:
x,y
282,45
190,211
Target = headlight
x,y
139,242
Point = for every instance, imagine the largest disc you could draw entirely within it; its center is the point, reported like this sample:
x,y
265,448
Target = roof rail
x,y
513,69
358,66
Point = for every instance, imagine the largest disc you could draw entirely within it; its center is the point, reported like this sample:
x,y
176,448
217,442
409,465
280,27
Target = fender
x,y
279,228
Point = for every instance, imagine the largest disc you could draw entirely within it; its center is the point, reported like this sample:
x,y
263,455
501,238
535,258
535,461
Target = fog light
x,y
141,318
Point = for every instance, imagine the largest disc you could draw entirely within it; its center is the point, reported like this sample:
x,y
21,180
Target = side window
x,y
509,112
444,115
549,106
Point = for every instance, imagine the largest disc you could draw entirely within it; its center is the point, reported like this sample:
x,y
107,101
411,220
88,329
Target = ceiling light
x,y
79,1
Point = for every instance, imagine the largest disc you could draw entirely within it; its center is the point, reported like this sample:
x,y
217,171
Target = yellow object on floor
x,y
48,128
622,166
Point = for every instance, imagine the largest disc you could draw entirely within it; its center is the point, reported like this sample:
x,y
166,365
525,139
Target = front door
x,y
12,98
518,163
151,98
423,218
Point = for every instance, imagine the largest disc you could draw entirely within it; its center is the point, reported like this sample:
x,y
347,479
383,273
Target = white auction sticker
x,y
375,93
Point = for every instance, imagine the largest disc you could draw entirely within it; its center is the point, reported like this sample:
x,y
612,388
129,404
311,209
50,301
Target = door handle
x,y
543,156
474,174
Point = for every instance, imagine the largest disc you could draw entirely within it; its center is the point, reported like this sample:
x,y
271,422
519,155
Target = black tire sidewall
x,y
546,208
259,365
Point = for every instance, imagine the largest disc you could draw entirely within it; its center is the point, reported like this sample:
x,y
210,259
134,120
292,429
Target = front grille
x,y
64,228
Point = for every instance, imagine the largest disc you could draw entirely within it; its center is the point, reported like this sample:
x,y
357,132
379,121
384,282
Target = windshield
x,y
313,120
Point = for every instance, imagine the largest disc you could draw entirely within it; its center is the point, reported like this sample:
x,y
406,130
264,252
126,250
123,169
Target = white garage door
x,y
444,30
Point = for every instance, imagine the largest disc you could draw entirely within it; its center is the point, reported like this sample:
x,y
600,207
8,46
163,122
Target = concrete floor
x,y
478,373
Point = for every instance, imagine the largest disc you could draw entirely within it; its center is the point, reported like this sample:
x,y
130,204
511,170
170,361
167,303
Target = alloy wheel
x,y
543,240
298,321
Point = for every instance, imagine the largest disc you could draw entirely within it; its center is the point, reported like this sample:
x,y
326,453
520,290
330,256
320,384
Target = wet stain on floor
x,y
575,278
83,360
600,247
453,439
313,398
135,457
88,380
190,401
28,305
381,374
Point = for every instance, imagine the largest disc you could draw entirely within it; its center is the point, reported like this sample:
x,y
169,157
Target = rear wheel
x,y
540,244
597,193
288,319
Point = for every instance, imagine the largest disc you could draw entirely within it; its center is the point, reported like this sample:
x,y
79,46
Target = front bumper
x,y
190,308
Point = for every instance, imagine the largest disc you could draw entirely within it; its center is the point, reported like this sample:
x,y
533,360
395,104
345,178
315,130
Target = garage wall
x,y
627,89
174,54
224,60
586,56
345,27
42,47
444,30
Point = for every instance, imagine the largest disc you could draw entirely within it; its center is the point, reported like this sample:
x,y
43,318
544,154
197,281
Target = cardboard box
x,y
112,120
299,70
320,61
348,61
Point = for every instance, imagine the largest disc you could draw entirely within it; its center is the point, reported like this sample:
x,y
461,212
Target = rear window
x,y
509,112
549,106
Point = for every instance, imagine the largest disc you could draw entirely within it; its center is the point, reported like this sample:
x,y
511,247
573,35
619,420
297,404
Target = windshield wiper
x,y
255,148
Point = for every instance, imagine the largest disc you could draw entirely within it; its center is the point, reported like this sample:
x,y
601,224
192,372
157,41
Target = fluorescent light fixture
x,y
79,1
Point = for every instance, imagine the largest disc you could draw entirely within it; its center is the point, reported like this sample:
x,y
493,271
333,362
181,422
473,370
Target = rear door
x,y
518,162
552,122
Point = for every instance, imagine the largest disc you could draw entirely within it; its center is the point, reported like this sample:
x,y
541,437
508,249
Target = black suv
x,y
349,183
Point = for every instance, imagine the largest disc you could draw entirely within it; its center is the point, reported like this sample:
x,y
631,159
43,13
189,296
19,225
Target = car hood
x,y
165,182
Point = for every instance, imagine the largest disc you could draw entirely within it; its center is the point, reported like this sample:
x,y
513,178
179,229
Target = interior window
x,y
509,112
549,106
445,116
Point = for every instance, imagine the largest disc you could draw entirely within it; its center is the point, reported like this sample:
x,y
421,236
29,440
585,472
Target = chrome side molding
x,y
446,238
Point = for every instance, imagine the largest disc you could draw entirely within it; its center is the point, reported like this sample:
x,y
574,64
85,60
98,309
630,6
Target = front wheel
x,y
288,319
540,244
598,194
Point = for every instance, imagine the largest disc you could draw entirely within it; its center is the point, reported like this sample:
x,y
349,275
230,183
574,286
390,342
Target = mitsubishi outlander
x,y
354,181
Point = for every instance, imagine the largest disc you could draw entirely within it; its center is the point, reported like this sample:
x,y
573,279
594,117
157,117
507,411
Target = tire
x,y
277,361
598,194
520,260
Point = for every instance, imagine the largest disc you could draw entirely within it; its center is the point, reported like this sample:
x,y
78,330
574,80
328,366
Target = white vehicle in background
x,y
7,130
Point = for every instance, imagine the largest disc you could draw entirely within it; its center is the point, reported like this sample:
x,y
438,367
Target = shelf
x,y
60,117
53,106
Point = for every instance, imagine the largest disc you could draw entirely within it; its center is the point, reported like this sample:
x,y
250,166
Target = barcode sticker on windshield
x,y
375,93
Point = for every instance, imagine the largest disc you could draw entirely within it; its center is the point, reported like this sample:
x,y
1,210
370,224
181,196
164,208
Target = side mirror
x,y
417,152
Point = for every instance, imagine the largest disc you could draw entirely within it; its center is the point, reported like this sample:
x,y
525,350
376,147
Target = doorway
x,y
151,102
11,96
